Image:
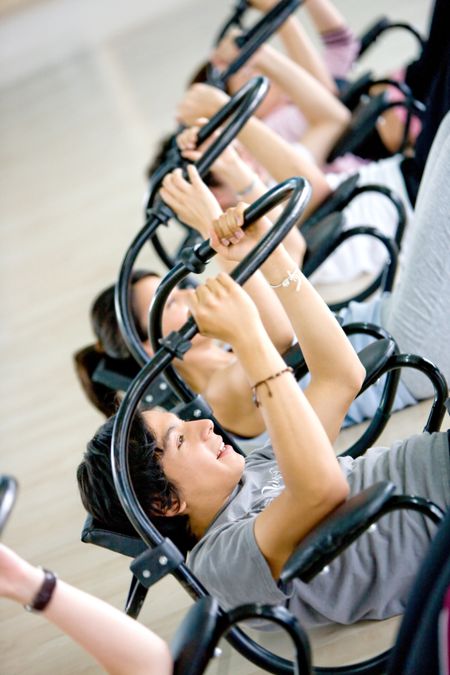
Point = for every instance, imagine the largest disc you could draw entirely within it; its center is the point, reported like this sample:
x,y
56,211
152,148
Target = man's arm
x,y
314,483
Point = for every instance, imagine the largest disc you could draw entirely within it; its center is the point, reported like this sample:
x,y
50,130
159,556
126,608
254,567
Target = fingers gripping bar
x,y
252,39
298,190
240,108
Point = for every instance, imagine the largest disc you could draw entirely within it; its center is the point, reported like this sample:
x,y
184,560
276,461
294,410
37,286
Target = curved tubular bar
x,y
393,198
345,193
234,20
438,380
383,26
377,332
8,495
251,40
241,106
385,278
414,503
281,616
239,109
366,114
383,412
299,191
379,420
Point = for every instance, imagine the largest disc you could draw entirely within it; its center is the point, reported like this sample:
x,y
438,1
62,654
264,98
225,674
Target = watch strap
x,y
44,594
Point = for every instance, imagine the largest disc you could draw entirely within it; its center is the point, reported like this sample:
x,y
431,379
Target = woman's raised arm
x,y
314,483
121,645
336,372
275,154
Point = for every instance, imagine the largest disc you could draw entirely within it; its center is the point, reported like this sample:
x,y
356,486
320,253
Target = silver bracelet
x,y
246,190
294,276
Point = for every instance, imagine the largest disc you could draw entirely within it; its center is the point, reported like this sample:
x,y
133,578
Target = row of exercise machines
x,y
156,382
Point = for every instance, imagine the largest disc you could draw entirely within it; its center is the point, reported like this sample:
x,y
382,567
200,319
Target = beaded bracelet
x,y
256,401
294,276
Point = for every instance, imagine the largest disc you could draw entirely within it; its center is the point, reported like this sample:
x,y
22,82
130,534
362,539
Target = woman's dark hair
x,y
104,320
102,397
155,493
110,346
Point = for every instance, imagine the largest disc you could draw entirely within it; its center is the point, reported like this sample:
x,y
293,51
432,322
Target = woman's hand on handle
x,y
230,240
223,310
191,199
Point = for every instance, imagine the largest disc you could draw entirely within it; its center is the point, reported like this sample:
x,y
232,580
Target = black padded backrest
x,y
8,493
94,533
193,644
335,202
336,532
320,241
374,358
117,375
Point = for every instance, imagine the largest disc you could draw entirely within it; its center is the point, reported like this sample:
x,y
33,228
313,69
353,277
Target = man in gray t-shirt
x,y
371,580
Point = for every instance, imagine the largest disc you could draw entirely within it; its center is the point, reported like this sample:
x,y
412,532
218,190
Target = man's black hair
x,y
155,493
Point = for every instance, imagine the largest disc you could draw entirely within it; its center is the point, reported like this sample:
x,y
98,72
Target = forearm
x,y
309,95
278,157
325,15
121,645
273,316
301,50
301,445
326,115
336,372
325,346
283,161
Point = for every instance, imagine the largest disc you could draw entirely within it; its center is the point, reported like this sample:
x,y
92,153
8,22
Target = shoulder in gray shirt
x,y
371,579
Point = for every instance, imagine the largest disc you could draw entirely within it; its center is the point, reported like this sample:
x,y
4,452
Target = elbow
x,y
351,381
344,117
335,492
157,661
356,377
283,342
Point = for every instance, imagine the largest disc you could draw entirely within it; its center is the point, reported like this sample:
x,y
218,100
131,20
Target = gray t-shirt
x,y
371,579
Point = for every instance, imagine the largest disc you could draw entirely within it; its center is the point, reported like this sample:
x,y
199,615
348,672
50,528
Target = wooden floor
x,y
84,95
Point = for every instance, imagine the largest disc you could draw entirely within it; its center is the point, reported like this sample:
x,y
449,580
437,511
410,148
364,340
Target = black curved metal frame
x,y
250,40
383,413
384,280
298,191
240,107
367,113
8,495
382,26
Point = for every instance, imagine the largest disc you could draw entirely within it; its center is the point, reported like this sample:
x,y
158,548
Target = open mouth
x,y
224,449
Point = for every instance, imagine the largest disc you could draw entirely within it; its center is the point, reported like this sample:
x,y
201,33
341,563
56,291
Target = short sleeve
x,y
233,569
